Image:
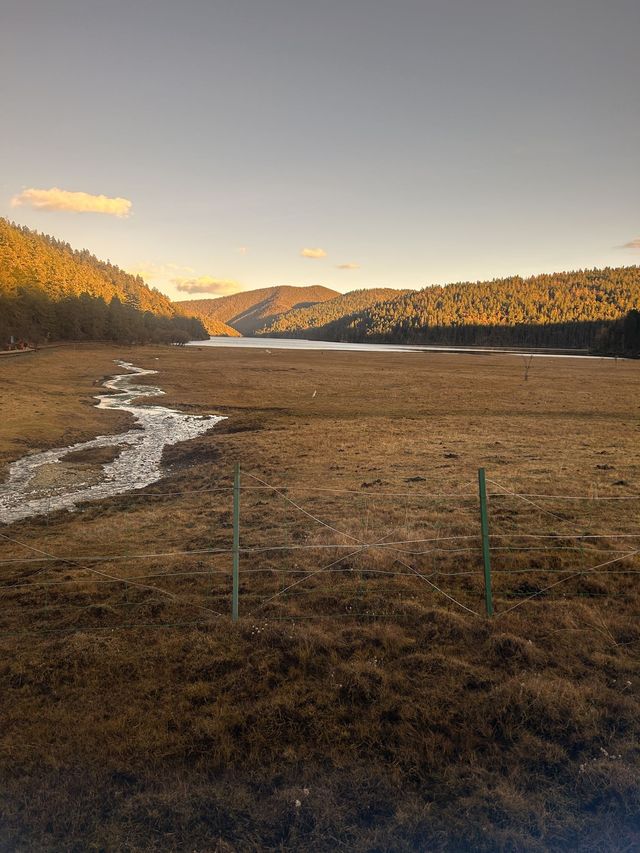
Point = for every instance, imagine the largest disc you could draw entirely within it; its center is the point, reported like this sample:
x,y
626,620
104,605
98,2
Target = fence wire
x,y
447,565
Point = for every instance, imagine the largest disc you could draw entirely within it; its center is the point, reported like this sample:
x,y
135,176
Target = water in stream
x,y
26,492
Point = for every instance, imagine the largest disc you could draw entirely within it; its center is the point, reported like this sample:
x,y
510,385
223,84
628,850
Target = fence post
x,y
486,554
236,543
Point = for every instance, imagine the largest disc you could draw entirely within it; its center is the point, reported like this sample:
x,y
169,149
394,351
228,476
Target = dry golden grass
x,y
395,718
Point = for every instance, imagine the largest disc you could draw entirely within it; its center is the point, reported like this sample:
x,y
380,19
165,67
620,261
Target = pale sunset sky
x,y
218,145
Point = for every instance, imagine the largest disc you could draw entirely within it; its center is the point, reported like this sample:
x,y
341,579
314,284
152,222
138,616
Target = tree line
x,y
30,315
581,310
622,337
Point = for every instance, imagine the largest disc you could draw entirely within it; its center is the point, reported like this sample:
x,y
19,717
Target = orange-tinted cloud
x,y
632,244
207,284
348,266
78,202
314,254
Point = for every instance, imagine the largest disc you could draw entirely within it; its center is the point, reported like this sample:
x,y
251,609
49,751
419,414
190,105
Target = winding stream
x,y
28,492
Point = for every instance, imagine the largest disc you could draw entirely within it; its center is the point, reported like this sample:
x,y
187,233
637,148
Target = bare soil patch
x,y
93,456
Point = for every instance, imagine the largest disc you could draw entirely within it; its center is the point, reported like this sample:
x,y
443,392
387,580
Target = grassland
x,y
361,709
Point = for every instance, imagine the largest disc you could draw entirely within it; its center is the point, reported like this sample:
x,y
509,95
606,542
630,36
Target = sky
x,y
222,145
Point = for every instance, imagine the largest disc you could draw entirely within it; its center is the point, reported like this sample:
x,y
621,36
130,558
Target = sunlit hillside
x,y
50,291
250,310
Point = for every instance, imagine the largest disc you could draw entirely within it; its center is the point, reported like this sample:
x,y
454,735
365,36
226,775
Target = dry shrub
x,y
544,705
508,651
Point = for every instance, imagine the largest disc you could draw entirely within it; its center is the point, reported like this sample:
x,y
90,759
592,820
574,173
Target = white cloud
x,y
207,284
78,202
348,266
313,253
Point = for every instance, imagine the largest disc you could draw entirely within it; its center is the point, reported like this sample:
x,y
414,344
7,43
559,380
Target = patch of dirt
x,y
94,456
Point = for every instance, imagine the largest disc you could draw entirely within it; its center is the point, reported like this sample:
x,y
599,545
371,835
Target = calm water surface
x,y
331,346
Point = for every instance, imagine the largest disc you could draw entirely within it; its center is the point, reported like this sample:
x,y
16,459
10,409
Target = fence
x,y
391,553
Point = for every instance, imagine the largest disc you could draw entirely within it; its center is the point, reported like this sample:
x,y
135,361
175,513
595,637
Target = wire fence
x,y
252,550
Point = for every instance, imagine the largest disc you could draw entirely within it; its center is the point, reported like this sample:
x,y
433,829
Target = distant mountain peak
x,y
250,310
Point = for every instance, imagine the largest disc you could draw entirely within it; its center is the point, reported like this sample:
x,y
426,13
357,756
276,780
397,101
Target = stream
x,y
36,483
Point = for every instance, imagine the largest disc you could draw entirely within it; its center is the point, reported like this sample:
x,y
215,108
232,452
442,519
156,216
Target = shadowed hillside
x,y
251,310
310,321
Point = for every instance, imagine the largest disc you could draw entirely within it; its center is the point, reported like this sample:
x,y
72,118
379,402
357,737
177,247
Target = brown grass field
x,y
372,706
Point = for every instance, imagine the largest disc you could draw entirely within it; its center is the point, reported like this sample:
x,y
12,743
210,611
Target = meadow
x,y
363,701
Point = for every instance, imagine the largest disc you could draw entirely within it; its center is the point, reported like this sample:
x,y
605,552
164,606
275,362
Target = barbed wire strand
x,y
564,535
121,580
563,580
323,569
303,510
205,573
437,588
225,551
334,490
567,497
527,500
267,548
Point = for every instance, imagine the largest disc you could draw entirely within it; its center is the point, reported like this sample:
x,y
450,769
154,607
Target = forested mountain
x,y
28,258
213,327
49,291
252,309
572,309
310,321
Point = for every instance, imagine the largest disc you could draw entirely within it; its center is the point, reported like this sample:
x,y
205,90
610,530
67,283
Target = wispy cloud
x,y
243,250
207,284
632,244
314,254
78,202
348,266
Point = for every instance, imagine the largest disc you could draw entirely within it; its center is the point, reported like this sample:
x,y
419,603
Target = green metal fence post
x,y
486,554
236,543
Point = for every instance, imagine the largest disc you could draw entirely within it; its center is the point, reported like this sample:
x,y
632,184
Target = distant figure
x,y
314,394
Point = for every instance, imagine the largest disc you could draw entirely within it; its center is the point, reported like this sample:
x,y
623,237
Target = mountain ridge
x,y
50,291
34,259
248,310
577,304
312,320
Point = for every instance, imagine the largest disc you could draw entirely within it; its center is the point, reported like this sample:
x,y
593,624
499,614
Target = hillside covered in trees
x,y
310,321
569,310
252,309
49,291
215,328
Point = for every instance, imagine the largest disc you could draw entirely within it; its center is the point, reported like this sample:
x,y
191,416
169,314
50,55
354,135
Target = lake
x,y
332,346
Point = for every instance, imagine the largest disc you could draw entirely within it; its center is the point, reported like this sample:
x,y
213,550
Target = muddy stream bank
x,y
64,477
